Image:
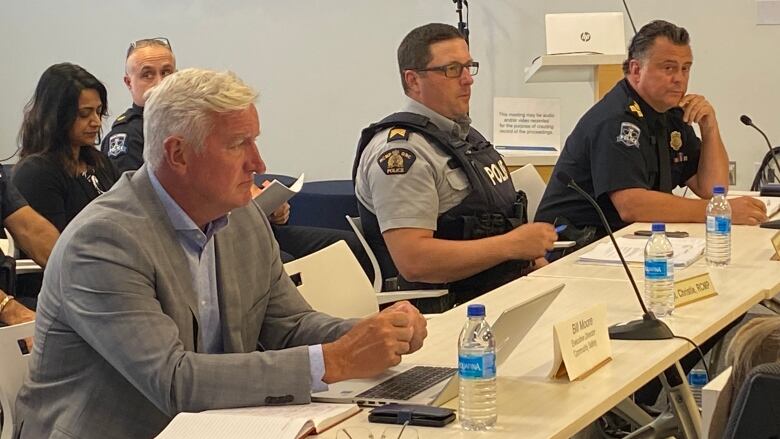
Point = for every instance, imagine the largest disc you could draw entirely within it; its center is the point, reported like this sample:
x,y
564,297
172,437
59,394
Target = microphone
x,y
463,27
749,122
649,327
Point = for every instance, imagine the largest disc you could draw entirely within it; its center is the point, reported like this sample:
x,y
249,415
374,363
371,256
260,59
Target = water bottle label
x,y
656,269
722,224
697,378
718,224
477,366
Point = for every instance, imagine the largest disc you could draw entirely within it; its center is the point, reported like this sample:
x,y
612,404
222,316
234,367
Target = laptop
x,y
594,32
432,385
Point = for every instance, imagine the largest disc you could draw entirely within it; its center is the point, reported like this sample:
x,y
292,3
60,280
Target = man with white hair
x,y
167,293
147,63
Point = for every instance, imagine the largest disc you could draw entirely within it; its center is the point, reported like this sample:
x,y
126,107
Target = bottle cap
x,y
476,310
718,190
659,227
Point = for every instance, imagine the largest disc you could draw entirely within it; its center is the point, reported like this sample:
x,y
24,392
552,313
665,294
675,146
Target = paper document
x,y
278,422
275,193
686,251
772,205
212,426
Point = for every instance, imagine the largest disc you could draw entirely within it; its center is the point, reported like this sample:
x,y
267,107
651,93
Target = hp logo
x,y
585,37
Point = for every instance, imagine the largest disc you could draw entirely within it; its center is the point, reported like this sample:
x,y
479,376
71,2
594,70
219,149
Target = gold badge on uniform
x,y
634,108
675,140
396,161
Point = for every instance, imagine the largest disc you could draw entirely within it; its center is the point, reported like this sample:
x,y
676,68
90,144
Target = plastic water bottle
x,y
718,252
659,272
697,379
477,372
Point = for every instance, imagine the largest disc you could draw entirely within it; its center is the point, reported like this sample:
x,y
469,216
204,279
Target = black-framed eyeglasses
x,y
145,42
453,69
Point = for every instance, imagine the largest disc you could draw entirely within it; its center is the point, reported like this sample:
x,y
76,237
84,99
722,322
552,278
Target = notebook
x,y
433,385
279,422
598,33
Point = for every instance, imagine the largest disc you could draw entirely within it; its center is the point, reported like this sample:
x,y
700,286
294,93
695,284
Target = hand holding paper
x,y
273,195
281,215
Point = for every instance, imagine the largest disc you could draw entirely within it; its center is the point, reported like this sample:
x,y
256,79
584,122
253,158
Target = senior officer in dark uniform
x,y
435,198
148,61
635,145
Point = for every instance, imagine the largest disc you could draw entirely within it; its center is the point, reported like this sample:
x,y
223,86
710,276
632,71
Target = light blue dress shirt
x,y
198,248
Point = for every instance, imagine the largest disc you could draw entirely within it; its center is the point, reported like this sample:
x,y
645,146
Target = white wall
x,y
326,69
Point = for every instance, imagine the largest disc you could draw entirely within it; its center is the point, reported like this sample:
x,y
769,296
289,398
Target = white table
x,y
751,250
533,406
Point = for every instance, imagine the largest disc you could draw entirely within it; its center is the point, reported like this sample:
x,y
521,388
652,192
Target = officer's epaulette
x,y
634,109
397,134
125,117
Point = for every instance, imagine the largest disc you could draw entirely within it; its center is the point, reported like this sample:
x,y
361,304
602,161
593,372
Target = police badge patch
x,y
629,134
116,145
396,161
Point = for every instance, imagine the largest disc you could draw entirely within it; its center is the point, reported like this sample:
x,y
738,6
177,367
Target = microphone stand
x,y
463,26
647,328
747,121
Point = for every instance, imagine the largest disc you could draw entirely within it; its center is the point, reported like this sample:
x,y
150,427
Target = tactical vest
x,y
493,207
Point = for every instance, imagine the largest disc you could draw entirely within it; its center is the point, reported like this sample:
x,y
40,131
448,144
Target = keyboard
x,y
407,384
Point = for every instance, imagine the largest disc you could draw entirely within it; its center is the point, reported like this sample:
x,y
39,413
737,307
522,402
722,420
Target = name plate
x,y
693,289
776,245
581,344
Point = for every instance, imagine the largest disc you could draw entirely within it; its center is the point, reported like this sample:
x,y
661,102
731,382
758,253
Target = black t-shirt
x,y
56,194
124,144
614,147
10,198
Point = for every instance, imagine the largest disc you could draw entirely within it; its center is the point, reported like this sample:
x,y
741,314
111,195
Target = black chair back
x,y
755,413
766,171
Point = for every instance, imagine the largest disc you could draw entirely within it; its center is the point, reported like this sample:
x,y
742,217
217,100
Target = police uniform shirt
x,y
417,185
615,146
124,144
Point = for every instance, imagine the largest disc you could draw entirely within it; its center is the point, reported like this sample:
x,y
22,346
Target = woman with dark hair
x,y
60,170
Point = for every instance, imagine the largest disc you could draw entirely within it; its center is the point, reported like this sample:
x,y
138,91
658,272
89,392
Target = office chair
x,y
755,413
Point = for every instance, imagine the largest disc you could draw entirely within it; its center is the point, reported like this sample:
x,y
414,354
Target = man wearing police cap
x,y
435,198
635,145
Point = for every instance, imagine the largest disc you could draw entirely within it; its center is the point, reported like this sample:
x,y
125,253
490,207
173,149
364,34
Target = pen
x,y
558,229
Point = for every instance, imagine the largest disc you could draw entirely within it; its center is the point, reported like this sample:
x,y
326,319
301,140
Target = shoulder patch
x,y
629,134
397,134
117,145
396,161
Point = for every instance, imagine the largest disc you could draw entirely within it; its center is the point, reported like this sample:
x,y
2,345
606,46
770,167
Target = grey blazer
x,y
115,351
